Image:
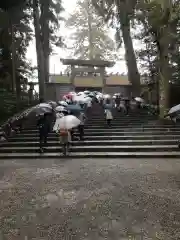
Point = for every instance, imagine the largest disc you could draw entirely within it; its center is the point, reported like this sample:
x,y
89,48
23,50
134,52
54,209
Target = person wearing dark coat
x,y
117,101
44,126
127,105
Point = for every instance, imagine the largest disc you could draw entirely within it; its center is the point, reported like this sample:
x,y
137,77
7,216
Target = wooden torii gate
x,y
79,66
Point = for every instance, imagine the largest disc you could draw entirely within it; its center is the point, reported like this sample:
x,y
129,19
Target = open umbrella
x,y
68,122
40,109
63,103
72,93
78,98
92,95
52,103
138,99
86,92
60,108
80,93
174,111
86,99
107,96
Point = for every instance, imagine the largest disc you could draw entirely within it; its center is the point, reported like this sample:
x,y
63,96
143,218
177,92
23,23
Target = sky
x,y
55,65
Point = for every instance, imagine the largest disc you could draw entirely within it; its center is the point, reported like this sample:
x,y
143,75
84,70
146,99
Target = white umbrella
x,y
72,93
138,99
45,106
68,122
52,103
106,96
60,108
63,103
80,93
99,95
85,100
40,109
77,98
174,110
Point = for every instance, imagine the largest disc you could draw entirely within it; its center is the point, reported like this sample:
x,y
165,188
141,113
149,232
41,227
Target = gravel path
x,y
91,199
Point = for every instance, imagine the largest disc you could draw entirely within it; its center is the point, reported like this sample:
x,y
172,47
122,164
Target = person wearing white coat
x,y
109,117
58,116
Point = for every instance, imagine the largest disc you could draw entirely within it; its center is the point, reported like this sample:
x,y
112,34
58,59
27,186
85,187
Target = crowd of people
x,y
48,121
67,136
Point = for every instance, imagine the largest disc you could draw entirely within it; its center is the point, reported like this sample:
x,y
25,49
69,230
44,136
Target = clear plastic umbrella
x,y
40,109
63,103
68,122
174,110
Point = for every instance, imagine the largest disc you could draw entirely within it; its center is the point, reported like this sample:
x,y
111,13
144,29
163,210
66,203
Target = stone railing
x,y
14,124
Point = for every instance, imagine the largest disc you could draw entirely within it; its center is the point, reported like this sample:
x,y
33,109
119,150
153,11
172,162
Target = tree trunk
x,y
44,22
39,50
133,73
164,86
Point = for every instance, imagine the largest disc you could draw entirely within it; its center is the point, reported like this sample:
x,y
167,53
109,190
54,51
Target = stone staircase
x,y
136,135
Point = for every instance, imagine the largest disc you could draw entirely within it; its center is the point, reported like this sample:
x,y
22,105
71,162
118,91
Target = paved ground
x,y
90,199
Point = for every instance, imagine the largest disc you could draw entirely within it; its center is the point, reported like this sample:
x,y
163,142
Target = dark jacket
x,y
43,124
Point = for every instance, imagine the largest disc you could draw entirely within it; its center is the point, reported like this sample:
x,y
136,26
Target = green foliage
x,y
8,104
120,15
50,18
154,18
16,24
90,35
15,33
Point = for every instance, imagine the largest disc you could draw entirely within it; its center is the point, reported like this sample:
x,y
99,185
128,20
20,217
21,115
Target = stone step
x,y
117,118
120,122
107,133
95,143
92,155
122,119
100,148
120,129
124,125
131,125
106,137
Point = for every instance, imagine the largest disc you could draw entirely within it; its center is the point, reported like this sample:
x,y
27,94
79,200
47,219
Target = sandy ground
x,y
90,199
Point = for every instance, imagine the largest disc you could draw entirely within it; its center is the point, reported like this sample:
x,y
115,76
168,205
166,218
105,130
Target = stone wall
x,y
51,91
124,90
55,91
96,82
